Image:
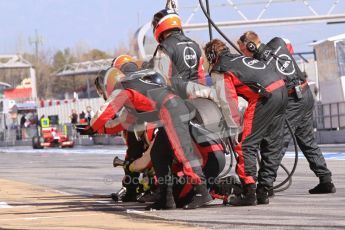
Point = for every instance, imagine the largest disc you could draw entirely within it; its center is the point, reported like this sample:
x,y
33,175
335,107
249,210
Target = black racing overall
x,y
185,55
299,111
263,118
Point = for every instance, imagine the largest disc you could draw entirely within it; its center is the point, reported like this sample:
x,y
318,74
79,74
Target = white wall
x,y
65,110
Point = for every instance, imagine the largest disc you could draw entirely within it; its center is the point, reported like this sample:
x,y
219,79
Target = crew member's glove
x,y
84,130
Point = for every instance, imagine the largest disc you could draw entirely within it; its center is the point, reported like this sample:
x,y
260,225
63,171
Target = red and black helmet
x,y
122,59
165,20
125,63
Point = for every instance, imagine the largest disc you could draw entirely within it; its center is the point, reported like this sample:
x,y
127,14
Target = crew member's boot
x,y
131,188
325,186
271,193
130,196
165,200
117,196
149,196
247,198
262,194
201,197
322,188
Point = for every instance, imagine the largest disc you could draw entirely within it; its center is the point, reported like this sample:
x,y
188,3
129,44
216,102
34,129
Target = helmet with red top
x,y
165,20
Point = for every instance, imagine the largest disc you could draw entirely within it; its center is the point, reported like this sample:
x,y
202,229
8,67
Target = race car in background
x,y
50,136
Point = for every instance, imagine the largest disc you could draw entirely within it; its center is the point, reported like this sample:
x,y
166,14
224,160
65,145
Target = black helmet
x,y
148,76
154,78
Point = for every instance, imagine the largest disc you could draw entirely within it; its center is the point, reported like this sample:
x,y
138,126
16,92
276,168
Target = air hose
x,y
229,147
217,28
277,188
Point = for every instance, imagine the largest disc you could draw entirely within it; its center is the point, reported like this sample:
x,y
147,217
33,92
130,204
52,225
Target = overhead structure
x,y
241,18
84,68
13,62
247,20
18,62
270,22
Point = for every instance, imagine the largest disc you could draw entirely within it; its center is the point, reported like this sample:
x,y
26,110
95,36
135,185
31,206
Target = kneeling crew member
x,y
149,99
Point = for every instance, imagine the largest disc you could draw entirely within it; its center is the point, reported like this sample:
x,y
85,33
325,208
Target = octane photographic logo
x,y
109,179
285,64
253,63
190,57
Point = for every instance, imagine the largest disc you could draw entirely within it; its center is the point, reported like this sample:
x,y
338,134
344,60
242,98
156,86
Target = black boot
x,y
271,193
165,200
262,194
150,196
323,188
130,196
248,198
201,197
131,188
118,195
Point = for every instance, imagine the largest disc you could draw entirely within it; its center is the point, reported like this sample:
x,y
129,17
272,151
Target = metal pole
x,y
330,115
209,23
338,116
88,88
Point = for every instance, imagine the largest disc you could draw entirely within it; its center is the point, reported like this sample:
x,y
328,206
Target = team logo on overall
x,y
190,57
285,64
267,53
253,63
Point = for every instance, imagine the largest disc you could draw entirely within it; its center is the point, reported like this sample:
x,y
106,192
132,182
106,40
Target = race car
x,y
50,136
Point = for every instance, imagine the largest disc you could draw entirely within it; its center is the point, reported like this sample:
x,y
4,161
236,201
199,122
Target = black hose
x,y
275,188
288,179
278,189
209,24
217,28
231,153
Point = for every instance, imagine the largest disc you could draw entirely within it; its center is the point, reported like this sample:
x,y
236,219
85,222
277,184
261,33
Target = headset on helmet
x,y
215,49
165,20
211,55
250,45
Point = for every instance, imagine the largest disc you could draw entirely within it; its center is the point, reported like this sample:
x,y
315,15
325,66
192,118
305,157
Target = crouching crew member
x,y
135,148
145,95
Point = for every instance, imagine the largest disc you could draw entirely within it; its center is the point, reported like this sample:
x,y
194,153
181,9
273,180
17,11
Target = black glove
x,y
85,130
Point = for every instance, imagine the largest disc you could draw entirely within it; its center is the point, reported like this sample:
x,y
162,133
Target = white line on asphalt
x,y
49,217
5,205
327,155
60,192
134,211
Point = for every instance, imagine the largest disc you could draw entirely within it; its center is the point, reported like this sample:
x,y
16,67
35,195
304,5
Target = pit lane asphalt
x,y
88,171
